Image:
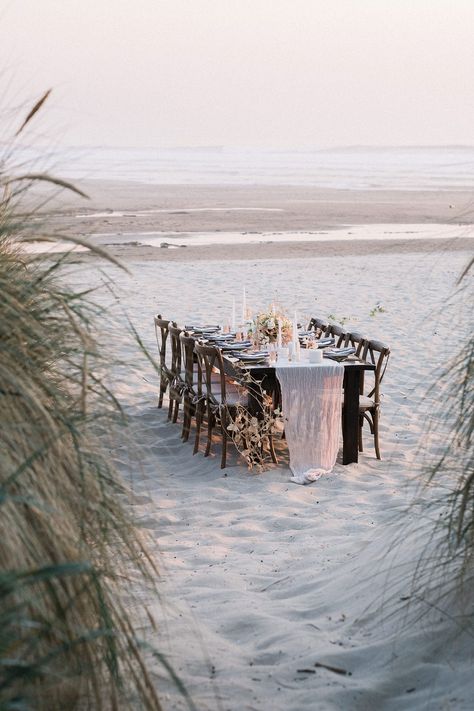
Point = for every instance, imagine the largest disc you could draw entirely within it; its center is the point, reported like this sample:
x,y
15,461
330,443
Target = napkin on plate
x,y
323,342
234,345
202,329
336,353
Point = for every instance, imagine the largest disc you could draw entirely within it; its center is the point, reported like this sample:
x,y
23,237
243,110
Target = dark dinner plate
x,y
252,357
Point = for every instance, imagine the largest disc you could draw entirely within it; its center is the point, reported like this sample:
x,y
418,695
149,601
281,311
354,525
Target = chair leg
x,y
209,434
375,416
224,440
224,449
176,409
185,428
361,441
198,428
272,450
192,411
271,447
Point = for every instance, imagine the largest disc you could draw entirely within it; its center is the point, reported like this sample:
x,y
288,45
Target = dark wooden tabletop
x,y
234,365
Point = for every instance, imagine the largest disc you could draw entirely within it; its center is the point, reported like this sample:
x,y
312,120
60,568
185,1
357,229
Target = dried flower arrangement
x,y
251,435
264,327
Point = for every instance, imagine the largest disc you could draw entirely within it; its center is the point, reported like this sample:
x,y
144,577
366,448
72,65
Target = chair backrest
x,y
174,334
209,359
319,326
377,353
187,358
338,333
161,333
356,340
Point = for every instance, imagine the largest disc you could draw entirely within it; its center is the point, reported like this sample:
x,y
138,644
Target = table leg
x,y
350,416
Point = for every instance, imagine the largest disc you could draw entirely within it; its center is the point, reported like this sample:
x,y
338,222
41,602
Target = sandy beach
x,y
276,596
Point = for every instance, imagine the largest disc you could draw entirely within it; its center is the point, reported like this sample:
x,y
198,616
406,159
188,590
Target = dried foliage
x,y
251,435
34,110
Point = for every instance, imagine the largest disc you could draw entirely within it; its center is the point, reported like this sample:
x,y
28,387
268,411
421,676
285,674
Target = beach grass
x,y
69,551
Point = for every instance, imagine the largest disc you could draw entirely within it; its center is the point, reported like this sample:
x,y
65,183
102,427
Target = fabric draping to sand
x,y
311,406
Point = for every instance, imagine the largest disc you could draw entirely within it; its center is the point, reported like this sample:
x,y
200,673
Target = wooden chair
x,y
221,399
177,383
215,400
161,333
369,404
192,378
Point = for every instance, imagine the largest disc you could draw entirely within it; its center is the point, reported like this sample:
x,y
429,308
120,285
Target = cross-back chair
x,y
218,400
192,378
161,333
369,404
215,400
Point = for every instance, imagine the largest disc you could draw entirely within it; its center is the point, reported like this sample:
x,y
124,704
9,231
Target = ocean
x,y
399,168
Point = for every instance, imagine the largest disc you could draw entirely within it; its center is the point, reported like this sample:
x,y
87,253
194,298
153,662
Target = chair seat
x,y
233,394
215,376
366,403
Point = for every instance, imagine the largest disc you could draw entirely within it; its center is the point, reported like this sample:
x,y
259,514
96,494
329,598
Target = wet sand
x,y
192,208
119,214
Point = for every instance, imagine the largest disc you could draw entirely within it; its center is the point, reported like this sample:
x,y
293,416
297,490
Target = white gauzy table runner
x,y
311,406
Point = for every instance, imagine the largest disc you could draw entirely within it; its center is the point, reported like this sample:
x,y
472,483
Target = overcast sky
x,y
276,73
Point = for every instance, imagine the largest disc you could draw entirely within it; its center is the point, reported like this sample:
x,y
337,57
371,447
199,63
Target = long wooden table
x,y
354,369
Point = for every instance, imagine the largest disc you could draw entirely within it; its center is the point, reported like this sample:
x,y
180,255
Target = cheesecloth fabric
x,y
311,408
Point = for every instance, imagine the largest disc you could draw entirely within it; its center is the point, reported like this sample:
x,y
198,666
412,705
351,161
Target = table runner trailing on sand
x,y
311,403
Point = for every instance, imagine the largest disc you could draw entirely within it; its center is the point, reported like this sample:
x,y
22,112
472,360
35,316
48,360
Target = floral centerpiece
x,y
264,327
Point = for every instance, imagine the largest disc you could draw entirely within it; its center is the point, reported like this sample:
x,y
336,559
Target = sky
x,y
263,73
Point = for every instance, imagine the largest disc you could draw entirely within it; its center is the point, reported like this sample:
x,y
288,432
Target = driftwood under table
x,y
265,375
